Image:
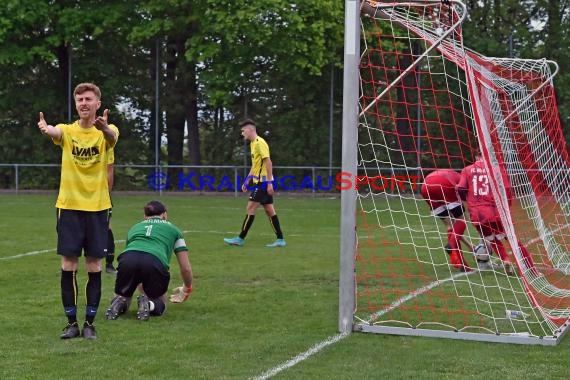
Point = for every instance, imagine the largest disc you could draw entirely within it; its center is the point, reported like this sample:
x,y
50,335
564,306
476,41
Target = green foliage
x,y
220,61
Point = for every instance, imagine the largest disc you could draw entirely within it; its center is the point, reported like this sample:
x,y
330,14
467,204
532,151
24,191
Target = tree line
x,y
188,70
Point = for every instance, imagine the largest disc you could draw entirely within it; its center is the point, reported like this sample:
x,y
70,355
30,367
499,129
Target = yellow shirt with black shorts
x,y
84,160
259,151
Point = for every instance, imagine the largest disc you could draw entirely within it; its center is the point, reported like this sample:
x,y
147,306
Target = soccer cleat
x,y
509,268
488,265
110,269
143,313
234,241
277,243
458,262
118,306
455,260
484,265
89,331
465,268
70,331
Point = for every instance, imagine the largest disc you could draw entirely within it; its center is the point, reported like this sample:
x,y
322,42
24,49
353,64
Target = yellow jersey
x,y
83,185
259,150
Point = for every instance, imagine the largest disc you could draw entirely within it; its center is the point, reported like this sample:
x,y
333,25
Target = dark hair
x,y
154,208
247,122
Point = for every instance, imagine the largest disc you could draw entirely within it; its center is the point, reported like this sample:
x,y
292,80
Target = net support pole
x,y
351,80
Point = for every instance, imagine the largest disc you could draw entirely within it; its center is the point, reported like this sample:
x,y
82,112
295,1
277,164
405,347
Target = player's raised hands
x,y
42,124
46,129
101,121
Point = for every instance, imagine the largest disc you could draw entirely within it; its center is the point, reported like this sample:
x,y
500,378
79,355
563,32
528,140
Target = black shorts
x,y
136,267
259,194
82,231
455,212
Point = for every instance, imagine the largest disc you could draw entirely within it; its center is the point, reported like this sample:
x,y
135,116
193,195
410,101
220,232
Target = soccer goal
x,y
417,100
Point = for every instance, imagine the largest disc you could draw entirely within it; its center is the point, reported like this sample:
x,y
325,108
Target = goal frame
x,y
348,222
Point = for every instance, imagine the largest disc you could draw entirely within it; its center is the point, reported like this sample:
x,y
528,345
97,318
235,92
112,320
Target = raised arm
x,y
50,130
102,125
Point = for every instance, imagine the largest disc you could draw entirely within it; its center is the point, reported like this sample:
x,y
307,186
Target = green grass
x,y
253,308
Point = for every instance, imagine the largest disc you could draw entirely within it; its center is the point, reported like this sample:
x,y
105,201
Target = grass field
x,y
255,311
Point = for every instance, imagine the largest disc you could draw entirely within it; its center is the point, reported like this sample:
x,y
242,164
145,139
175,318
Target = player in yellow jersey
x,y
83,202
261,174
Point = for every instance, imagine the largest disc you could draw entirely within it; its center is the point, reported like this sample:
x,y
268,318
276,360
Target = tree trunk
x,y
192,117
175,117
63,51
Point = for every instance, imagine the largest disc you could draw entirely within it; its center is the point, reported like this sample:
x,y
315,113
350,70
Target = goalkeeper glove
x,y
181,294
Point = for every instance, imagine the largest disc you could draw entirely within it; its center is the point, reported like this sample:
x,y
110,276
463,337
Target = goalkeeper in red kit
x,y
475,188
439,191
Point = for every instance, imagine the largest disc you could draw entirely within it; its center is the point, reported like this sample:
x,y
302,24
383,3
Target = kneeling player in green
x,y
145,264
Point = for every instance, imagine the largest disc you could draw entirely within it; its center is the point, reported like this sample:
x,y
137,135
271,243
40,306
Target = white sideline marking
x,y
305,355
336,338
33,253
333,339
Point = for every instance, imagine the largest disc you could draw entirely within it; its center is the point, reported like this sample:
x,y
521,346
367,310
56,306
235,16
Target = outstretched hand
x,y
101,121
42,124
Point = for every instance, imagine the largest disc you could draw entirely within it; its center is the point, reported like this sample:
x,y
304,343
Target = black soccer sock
x,y
159,307
69,294
247,222
276,226
93,295
110,248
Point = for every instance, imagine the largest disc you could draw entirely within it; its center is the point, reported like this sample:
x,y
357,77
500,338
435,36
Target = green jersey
x,y
157,237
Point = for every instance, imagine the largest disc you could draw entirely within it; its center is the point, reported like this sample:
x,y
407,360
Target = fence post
x,y
314,179
16,177
236,182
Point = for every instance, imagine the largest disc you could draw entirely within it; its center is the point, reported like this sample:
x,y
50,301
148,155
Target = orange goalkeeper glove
x,y
180,294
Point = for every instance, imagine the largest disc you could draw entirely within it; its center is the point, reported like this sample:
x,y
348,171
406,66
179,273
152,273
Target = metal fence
x,y
184,178
226,179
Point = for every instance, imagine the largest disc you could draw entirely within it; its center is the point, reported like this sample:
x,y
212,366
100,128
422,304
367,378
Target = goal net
x,y
428,103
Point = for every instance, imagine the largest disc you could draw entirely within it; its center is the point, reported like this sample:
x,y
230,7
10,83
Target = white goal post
x,y
417,101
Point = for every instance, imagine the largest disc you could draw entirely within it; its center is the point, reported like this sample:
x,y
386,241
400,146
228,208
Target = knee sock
x,y
93,295
157,307
69,294
499,248
455,233
247,222
527,258
110,248
274,220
